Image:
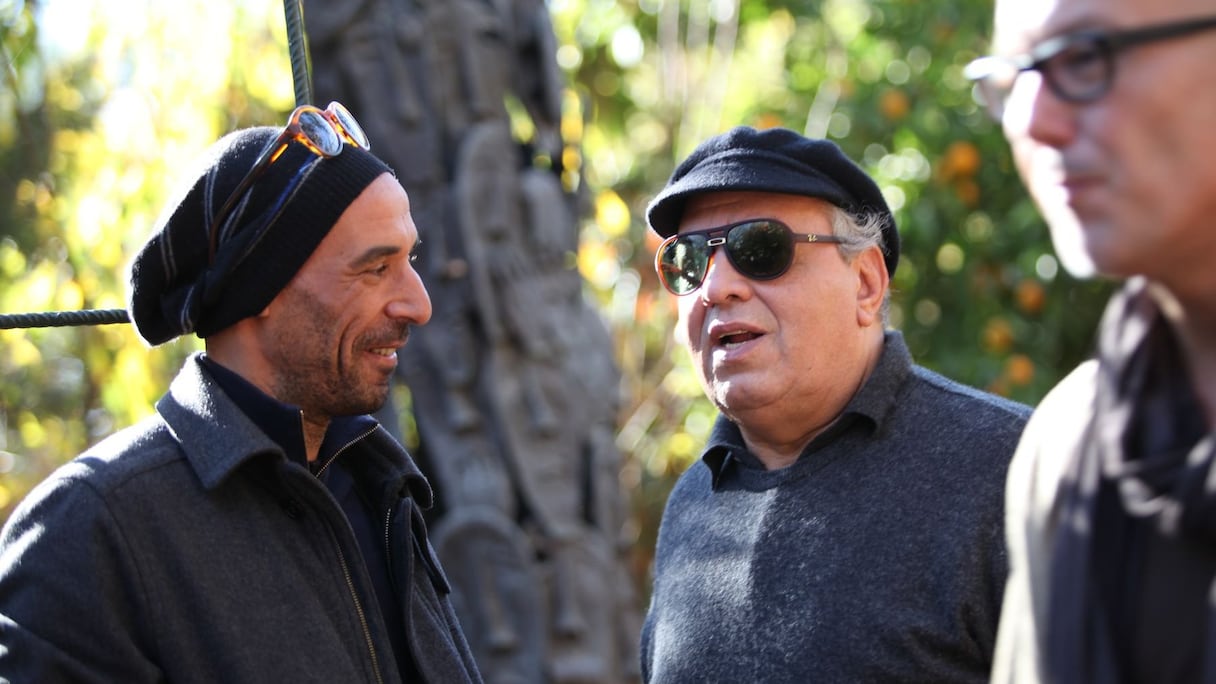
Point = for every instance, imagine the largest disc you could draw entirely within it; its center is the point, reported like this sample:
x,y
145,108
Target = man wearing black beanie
x,y
844,521
261,526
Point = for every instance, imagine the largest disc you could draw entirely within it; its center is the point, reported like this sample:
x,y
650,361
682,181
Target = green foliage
x,y
91,137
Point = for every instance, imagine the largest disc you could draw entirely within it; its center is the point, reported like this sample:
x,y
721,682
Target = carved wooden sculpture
x,y
513,385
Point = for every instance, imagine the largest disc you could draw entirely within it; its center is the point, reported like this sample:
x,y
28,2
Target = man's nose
x,y
1036,112
411,301
722,280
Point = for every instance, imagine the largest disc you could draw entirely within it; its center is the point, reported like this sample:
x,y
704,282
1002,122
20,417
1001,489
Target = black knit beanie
x,y
290,208
773,160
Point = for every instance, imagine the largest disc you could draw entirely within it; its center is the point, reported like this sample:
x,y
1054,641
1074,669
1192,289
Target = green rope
x,y
59,319
297,46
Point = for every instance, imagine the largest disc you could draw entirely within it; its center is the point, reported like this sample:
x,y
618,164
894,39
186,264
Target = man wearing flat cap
x,y
260,526
844,523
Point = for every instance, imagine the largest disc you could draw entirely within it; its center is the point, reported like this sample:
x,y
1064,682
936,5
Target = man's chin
x,y
369,402
1068,239
1077,262
376,402
733,399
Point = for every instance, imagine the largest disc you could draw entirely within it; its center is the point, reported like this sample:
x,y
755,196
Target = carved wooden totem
x,y
512,382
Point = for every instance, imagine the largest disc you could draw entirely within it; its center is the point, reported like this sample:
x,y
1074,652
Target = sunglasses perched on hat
x,y
321,131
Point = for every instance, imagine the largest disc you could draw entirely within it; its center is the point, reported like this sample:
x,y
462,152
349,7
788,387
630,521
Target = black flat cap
x,y
773,160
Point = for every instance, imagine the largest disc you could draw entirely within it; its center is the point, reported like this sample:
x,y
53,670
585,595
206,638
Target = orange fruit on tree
x,y
1019,369
962,159
998,335
1030,296
894,104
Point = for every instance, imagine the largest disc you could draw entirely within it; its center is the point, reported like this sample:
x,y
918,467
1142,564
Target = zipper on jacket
x,y
367,632
341,449
350,582
388,550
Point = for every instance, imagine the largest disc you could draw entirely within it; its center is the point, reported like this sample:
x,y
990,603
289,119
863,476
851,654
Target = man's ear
x,y
872,284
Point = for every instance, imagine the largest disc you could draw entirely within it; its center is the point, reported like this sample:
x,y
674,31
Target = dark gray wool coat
x,y
188,548
877,556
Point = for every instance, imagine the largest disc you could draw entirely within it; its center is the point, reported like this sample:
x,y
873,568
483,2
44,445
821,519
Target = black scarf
x,y
1144,469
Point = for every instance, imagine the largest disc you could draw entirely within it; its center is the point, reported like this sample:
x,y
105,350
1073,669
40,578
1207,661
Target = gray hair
x,y
860,232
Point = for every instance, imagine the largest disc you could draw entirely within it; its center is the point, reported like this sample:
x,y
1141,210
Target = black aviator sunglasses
x,y
761,249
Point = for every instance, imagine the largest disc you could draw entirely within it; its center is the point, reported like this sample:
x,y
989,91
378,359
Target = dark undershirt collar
x,y
283,423
725,448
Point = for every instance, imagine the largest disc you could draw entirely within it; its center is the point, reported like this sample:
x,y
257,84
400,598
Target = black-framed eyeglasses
x,y
761,249
322,131
1077,67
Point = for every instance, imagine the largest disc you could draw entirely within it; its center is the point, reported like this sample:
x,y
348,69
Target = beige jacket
x,y
1051,437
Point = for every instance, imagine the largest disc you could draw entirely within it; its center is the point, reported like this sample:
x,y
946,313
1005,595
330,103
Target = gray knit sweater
x,y
876,557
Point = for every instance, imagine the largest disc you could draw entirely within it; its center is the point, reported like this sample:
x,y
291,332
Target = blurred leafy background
x,y
102,102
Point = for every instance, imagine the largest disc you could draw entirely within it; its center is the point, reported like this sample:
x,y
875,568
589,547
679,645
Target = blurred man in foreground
x,y
1108,106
